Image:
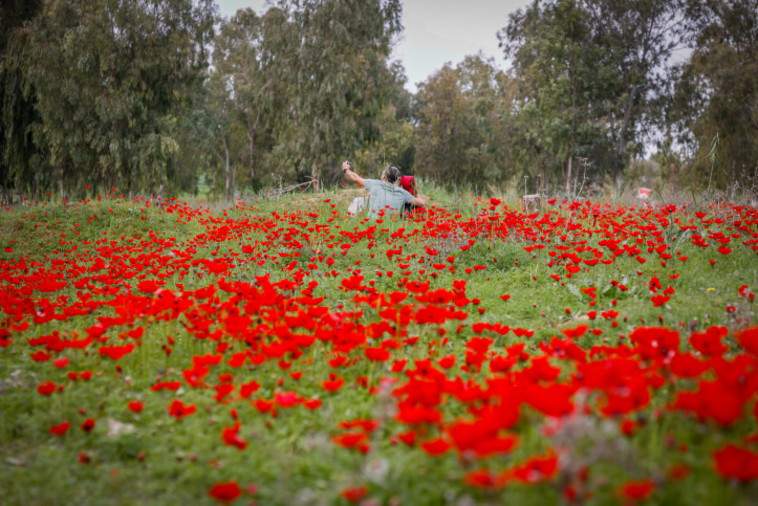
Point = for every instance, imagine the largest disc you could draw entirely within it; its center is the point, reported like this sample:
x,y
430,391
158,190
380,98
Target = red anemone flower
x,y
179,410
225,492
135,406
354,494
638,490
60,429
88,424
738,463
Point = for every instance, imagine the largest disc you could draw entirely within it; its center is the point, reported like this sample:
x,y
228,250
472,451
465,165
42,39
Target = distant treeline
x,y
154,96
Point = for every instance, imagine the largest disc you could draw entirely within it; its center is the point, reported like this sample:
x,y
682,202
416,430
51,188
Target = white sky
x,y
436,31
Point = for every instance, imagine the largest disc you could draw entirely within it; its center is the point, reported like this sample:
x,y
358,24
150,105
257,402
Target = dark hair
x,y
392,173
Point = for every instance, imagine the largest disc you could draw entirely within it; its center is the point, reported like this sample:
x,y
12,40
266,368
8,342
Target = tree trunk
x,y
213,186
252,159
61,172
227,170
251,143
621,146
316,174
568,174
234,181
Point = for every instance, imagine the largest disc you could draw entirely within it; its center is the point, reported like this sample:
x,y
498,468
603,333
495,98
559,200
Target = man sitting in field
x,y
385,195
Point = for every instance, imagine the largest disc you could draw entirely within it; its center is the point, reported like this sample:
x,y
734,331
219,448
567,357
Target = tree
x,y
457,114
247,88
396,140
589,72
196,132
19,155
559,73
336,56
443,123
639,38
111,78
487,92
715,108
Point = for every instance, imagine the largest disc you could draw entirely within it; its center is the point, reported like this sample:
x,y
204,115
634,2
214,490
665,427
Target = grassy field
x,y
281,352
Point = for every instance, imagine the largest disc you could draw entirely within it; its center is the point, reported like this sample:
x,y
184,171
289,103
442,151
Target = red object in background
x,y
643,193
408,183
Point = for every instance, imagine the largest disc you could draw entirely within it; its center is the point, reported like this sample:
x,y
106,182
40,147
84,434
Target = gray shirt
x,y
385,196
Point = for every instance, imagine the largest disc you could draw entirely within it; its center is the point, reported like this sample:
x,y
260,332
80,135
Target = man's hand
x,y
420,200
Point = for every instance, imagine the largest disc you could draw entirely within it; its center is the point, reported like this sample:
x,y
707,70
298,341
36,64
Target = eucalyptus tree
x,y
249,84
19,155
638,38
111,78
589,73
457,120
560,80
396,140
338,80
715,107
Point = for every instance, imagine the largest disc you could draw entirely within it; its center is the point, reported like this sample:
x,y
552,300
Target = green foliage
x,y
303,85
117,93
108,80
458,123
396,140
587,71
396,146
244,101
19,156
339,78
714,107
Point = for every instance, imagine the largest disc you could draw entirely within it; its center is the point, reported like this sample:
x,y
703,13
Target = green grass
x,y
290,458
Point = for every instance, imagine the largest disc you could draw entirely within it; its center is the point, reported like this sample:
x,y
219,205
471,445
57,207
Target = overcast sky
x,y
436,31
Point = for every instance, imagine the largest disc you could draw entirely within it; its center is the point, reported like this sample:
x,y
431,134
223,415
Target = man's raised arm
x,y
347,170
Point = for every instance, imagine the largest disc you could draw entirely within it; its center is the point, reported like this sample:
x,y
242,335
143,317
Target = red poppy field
x,y
154,352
